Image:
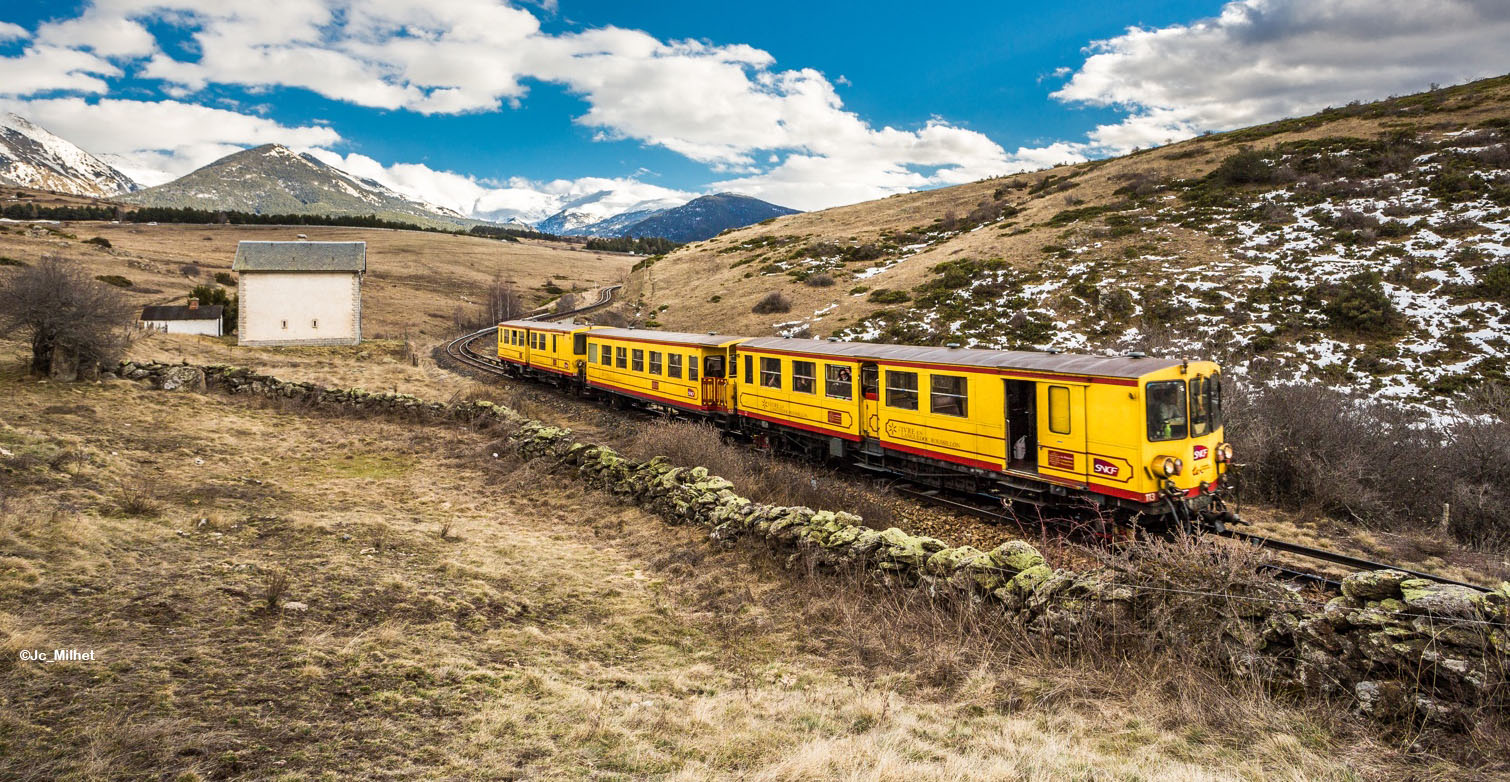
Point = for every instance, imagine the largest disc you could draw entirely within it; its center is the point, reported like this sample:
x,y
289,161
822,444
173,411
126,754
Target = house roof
x,y
182,312
300,257
1068,363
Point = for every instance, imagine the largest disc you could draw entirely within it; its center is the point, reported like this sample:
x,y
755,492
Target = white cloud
x,y
156,141
724,105
12,32
1262,60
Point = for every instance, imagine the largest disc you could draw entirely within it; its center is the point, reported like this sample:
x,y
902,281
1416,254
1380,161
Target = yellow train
x,y
1129,434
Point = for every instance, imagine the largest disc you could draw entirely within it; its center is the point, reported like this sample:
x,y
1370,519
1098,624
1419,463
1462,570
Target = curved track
x,y
460,349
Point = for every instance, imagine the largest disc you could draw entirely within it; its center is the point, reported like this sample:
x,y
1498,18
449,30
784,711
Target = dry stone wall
x,y
1402,648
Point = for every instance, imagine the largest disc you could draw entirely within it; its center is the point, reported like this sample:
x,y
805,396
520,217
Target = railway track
x,y
461,350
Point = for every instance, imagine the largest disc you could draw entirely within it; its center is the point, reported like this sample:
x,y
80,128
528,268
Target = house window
x,y
655,362
838,382
902,390
638,364
770,372
620,357
592,354
1059,410
804,377
285,325
673,365
692,367
314,324
946,395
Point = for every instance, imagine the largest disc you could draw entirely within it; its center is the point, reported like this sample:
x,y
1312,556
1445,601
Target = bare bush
x,y
274,587
566,303
138,497
75,324
1356,459
819,280
773,302
501,301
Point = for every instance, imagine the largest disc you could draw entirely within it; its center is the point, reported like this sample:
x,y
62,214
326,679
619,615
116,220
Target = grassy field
x,y
278,595
415,281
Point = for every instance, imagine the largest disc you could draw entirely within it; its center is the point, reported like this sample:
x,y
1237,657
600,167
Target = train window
x,y
870,381
620,357
673,365
592,354
714,366
655,362
1059,410
1200,414
838,383
902,390
1166,411
637,361
804,377
749,369
770,372
553,343
692,367
578,344
947,395
1214,393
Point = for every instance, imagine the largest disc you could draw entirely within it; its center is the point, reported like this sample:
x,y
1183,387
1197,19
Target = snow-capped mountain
x,y
30,156
677,219
273,179
599,213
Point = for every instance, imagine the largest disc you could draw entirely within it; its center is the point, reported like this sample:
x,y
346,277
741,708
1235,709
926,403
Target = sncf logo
x,y
1200,452
1104,467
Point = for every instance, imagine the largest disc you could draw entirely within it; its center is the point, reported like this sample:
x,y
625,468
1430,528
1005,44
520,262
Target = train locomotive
x,y
1131,437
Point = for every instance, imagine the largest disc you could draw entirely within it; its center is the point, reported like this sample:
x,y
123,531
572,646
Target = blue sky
x,y
504,111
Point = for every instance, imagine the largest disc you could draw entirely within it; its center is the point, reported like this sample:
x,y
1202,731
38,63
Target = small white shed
x,y
300,293
189,319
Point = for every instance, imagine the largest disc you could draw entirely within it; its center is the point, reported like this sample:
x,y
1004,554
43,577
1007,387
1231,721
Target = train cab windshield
x,y
1166,411
1205,405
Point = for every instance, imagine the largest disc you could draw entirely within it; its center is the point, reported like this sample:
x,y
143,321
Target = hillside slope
x,y
273,179
1365,245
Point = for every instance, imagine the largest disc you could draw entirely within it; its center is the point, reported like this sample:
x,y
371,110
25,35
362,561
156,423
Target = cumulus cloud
x,y
157,141
1261,60
727,106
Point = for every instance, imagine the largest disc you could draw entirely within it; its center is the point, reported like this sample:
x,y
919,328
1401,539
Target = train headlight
x,y
1224,453
1167,466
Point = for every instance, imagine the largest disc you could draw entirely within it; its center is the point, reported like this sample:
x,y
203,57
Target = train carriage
x,y
556,351
1129,431
687,372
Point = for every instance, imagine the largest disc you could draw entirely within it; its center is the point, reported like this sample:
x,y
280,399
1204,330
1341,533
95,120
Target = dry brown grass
x,y
556,635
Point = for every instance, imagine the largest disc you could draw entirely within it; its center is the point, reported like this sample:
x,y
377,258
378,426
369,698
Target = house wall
x,y
302,308
209,327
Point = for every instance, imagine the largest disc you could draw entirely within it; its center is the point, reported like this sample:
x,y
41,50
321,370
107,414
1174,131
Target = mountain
x,y
604,211
30,156
273,179
674,219
1366,247
704,218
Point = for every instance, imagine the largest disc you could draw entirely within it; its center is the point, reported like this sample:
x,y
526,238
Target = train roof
x,y
1068,363
675,337
544,325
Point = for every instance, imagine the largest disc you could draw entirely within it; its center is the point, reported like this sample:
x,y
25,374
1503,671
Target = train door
x,y
1062,430
714,384
1022,425
870,400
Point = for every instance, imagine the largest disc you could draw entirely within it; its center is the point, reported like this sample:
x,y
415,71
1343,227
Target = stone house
x,y
189,319
300,293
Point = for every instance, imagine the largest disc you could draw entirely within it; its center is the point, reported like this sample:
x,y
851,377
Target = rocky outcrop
x,y
1401,647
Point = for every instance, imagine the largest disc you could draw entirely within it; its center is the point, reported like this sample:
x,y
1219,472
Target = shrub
x,y
4,261
858,289
114,279
226,278
888,296
772,302
1245,167
820,280
99,241
189,270
1360,305
1495,282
